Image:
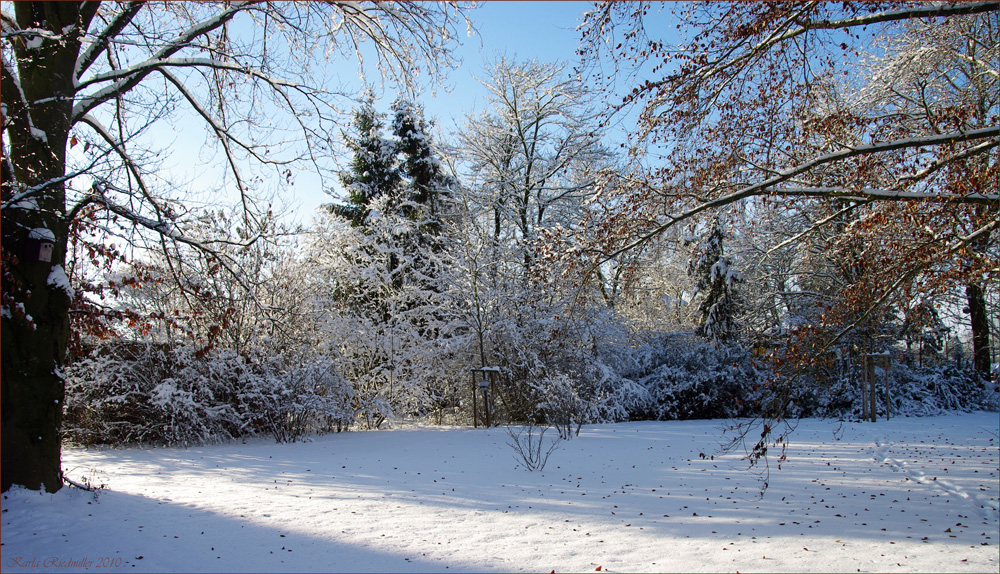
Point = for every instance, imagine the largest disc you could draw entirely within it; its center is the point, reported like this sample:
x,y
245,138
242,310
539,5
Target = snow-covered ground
x,y
912,494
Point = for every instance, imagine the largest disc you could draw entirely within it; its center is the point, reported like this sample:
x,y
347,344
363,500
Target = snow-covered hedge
x,y
156,394
934,390
174,395
688,378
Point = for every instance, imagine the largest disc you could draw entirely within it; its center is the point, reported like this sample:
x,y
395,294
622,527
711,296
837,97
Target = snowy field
x,y
912,495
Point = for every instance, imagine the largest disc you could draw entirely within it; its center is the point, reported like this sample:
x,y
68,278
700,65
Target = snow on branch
x,y
923,10
14,102
101,42
140,71
26,197
152,64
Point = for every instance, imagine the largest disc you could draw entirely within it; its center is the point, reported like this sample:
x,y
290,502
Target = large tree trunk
x,y
34,329
32,387
980,323
976,301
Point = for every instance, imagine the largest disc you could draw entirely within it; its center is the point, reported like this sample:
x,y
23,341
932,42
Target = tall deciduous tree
x,y
100,76
765,101
936,76
527,149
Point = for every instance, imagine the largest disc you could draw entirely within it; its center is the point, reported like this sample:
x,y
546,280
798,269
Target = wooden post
x,y
871,380
864,388
484,385
869,386
886,366
863,385
869,410
886,363
475,402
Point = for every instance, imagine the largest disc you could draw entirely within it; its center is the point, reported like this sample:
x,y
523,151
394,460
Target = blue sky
x,y
521,30
524,30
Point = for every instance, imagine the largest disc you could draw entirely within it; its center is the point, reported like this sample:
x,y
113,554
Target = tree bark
x,y
34,329
980,324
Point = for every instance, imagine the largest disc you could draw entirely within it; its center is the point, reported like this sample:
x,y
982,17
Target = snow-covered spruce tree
x,y
389,327
427,194
427,187
405,170
372,177
716,281
391,267
373,171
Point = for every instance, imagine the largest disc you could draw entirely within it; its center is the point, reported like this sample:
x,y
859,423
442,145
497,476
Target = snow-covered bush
x,y
561,365
689,378
686,377
932,390
559,404
131,393
290,398
146,393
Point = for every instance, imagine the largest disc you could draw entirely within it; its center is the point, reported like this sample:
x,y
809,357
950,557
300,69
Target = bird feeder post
x,y
484,385
475,402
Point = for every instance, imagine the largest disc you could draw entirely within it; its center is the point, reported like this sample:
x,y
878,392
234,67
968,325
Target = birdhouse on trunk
x,y
40,245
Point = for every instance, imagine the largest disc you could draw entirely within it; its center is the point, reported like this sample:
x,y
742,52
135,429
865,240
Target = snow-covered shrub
x,y
560,405
131,393
686,377
932,390
145,393
913,391
289,399
613,397
561,366
689,378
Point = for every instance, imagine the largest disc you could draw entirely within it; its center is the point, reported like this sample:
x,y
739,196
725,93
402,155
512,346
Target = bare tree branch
x,y
104,38
183,40
766,187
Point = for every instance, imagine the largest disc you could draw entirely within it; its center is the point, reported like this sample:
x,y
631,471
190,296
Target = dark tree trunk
x,y
35,326
976,301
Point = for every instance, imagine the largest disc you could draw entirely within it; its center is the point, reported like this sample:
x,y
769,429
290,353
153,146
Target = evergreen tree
x,y
427,189
428,186
373,171
391,265
401,174
717,279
